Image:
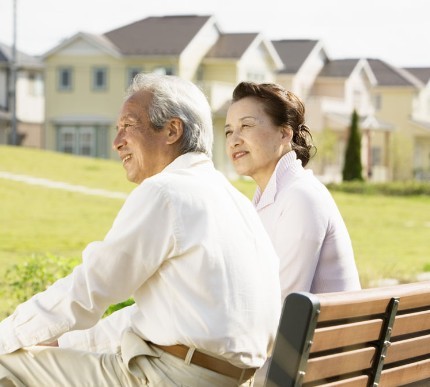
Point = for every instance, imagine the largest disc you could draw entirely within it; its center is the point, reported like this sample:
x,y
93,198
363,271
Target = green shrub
x,y
35,275
398,188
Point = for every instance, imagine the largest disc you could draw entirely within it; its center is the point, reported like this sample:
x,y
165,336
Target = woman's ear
x,y
175,129
287,133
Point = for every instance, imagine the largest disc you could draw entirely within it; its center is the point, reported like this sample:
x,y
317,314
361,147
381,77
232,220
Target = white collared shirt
x,y
191,251
307,231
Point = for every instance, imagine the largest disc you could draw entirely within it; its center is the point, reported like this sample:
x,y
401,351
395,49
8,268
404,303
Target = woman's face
x,y
253,143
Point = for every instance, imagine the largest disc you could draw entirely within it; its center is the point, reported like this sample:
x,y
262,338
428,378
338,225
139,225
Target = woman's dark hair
x,y
285,109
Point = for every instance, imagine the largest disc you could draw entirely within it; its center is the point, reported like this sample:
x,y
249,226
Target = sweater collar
x,y
276,182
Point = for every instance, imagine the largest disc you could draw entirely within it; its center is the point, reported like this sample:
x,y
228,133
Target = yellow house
x,y
394,97
420,125
86,75
390,103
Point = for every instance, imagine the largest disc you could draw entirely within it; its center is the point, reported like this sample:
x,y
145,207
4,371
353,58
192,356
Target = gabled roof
x,y
98,41
294,53
387,75
422,73
23,60
231,46
339,68
165,35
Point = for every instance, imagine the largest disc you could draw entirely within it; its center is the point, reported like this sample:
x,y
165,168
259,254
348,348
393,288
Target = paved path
x,y
60,185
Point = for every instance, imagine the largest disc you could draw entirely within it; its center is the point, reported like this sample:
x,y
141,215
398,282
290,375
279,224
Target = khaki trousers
x,y
138,364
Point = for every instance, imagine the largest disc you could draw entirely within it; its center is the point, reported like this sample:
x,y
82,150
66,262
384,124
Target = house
x,y
340,87
29,112
302,61
420,124
383,97
395,95
232,59
87,74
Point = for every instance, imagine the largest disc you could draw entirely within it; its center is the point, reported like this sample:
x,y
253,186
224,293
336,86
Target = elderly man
x,y
186,245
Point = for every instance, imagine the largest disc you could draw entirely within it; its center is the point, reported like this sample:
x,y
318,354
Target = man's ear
x,y
174,130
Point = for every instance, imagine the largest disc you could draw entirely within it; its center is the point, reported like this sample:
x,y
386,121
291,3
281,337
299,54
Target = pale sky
x,y
397,31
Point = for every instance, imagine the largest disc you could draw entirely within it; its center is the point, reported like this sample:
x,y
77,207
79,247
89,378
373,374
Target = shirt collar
x,y
187,160
276,181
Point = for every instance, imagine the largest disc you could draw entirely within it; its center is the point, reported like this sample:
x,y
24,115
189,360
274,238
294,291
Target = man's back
x,y
218,288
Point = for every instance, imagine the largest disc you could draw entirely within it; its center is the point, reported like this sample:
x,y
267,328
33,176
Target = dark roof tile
x,y
387,75
231,46
22,59
293,53
339,68
165,35
422,73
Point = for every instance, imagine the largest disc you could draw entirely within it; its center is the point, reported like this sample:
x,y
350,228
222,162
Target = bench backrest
x,y
370,337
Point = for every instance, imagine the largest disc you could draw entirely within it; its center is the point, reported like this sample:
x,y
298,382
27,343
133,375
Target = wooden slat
x,y
355,307
347,334
372,301
418,300
358,381
411,323
408,373
338,364
406,349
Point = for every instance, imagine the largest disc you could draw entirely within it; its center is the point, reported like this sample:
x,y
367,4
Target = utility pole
x,y
13,71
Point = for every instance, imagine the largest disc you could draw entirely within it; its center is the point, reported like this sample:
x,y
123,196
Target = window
x,y
83,139
35,84
357,99
65,78
377,101
131,73
99,78
376,156
254,76
164,70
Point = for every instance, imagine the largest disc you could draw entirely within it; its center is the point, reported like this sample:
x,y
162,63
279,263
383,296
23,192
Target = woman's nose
x,y
235,138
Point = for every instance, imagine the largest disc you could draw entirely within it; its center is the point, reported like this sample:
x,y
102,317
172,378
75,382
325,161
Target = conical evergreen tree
x,y
352,168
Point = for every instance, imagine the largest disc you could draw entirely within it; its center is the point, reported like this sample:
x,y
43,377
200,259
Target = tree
x,y
352,167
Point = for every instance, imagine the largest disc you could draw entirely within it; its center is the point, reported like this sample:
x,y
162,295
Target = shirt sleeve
x,y
104,337
111,271
298,238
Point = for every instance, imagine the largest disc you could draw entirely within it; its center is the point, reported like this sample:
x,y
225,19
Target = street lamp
x,y
13,71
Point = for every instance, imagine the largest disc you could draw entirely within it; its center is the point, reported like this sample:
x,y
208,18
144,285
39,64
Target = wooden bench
x,y
371,337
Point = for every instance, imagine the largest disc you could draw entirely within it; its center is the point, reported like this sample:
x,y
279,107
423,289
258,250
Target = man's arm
x,y
104,337
111,271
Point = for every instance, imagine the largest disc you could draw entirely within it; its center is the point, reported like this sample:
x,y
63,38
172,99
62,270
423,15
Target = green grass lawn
x,y
390,234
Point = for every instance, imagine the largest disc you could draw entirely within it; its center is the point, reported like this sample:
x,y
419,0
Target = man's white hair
x,y
176,97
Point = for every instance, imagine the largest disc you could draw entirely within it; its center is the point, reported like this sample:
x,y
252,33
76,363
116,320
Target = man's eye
x,y
227,133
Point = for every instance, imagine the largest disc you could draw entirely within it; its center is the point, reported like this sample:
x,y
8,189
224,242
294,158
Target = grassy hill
x,y
390,234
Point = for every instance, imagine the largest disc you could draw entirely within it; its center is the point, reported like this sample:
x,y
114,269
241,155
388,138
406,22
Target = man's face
x,y
141,148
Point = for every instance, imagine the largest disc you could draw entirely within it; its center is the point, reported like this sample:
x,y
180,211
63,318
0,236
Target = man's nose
x,y
119,141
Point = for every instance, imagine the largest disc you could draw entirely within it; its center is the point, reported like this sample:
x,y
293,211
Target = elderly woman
x,y
267,139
